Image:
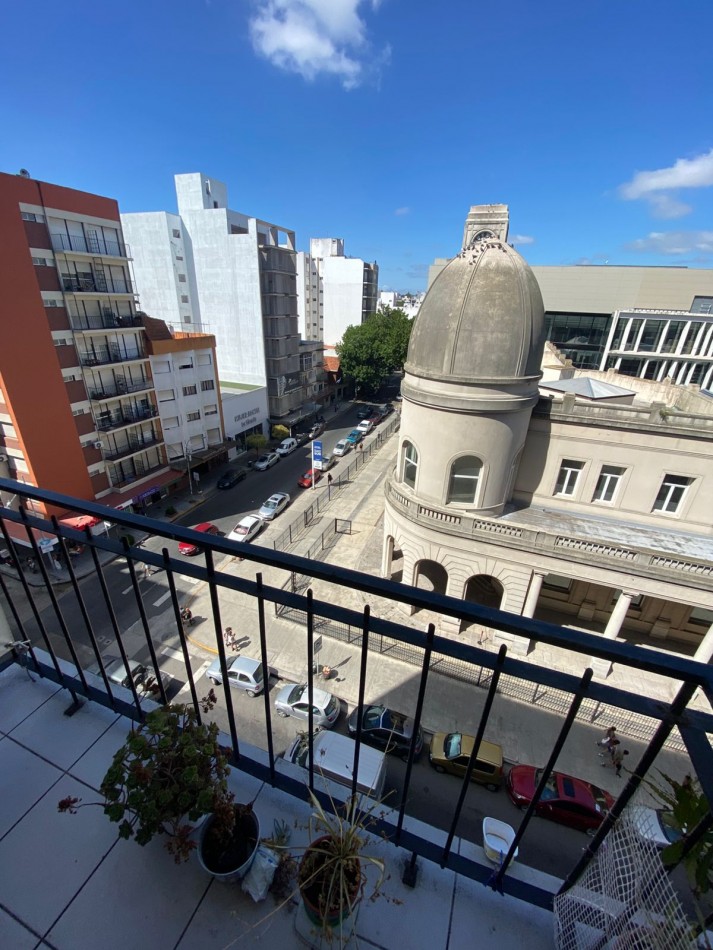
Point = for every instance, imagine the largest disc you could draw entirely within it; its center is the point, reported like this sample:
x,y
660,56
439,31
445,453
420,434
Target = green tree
x,y
280,432
256,441
370,351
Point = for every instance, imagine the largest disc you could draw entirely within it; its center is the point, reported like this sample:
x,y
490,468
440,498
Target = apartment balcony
x,y
95,245
105,321
106,355
97,284
68,879
133,446
106,422
114,391
140,469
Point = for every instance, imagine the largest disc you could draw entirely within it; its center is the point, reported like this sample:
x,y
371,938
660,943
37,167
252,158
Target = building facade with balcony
x,y
211,269
596,516
78,406
334,291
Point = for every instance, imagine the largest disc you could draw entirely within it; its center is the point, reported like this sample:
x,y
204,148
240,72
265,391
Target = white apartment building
x,y
334,291
215,270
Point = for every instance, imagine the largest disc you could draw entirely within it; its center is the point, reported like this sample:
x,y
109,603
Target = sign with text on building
x,y
317,450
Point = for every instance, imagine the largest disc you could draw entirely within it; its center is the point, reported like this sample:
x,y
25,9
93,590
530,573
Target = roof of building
x,y
482,318
587,388
628,534
332,364
155,329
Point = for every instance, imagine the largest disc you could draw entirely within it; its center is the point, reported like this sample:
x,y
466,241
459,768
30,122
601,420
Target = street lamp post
x,y
187,453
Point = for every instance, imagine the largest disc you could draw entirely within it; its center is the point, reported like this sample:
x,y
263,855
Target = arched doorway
x,y
485,590
431,576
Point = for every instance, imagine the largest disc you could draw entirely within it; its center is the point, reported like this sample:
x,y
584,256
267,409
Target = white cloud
x,y
675,243
664,206
402,211
522,239
313,37
684,173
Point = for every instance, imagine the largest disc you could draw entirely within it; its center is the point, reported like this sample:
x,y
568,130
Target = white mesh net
x,y
624,900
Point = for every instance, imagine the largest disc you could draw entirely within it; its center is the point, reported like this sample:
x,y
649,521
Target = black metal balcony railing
x,y
64,668
131,447
107,321
104,355
89,244
119,389
97,284
116,420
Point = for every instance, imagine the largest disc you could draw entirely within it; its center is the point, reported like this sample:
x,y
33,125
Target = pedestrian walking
x,y
329,478
617,758
609,737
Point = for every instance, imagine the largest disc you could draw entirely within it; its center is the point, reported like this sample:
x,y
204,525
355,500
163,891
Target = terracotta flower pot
x,y
314,875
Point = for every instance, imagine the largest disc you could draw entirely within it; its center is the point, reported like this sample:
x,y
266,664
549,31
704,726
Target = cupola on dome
x,y
482,319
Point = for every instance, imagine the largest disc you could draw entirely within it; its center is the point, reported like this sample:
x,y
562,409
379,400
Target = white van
x,y
286,446
334,759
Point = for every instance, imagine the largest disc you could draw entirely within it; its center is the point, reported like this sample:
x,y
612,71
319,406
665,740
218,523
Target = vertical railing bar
x,y
144,621
496,880
310,687
265,673
664,729
218,624
24,637
425,668
492,689
117,633
181,632
31,600
360,701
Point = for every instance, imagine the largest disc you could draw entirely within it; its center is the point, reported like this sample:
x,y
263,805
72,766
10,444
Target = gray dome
x,y
482,319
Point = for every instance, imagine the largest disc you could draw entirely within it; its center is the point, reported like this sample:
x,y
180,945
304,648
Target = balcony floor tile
x,y
24,779
31,866
14,935
92,766
19,701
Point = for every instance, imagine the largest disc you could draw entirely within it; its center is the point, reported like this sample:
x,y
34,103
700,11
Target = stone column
x,y
704,653
602,668
387,556
533,594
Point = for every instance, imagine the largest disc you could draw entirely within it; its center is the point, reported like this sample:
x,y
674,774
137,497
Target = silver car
x,y
243,673
143,678
274,505
341,448
292,701
266,461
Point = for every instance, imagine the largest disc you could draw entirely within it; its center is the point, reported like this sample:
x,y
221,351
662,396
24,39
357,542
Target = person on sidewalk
x,y
609,738
617,759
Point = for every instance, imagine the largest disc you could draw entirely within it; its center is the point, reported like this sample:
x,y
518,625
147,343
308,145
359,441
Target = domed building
x,y
541,505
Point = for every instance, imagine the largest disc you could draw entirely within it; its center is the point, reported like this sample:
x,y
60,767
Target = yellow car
x,y
450,752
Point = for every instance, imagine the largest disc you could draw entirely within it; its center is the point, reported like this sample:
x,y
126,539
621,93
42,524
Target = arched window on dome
x,y
409,465
463,483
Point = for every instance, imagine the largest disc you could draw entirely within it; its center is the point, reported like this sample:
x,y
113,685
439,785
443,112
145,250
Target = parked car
x,y
274,505
286,447
566,799
450,752
292,701
655,824
306,480
187,548
374,420
316,430
386,729
363,412
386,410
246,529
231,477
341,448
144,679
266,461
365,426
325,463
355,437
243,673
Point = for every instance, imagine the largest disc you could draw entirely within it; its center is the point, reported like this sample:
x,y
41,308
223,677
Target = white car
x,y
341,448
365,426
274,505
286,447
266,461
246,529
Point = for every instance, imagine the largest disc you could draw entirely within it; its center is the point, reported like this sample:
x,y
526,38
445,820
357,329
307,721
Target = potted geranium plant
x,y
169,774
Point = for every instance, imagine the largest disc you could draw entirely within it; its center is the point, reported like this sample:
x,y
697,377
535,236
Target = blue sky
x,y
382,121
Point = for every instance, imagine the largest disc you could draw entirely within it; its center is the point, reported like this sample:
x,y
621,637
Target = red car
x,y
306,480
568,800
185,547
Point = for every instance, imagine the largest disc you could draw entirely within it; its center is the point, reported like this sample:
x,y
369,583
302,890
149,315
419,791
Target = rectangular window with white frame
x,y
193,416
207,385
671,493
190,390
608,483
568,476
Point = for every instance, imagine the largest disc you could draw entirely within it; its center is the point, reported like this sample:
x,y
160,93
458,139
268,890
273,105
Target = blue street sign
x,y
317,450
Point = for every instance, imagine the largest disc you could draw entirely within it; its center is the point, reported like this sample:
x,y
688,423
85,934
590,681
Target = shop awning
x,y
80,522
135,493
